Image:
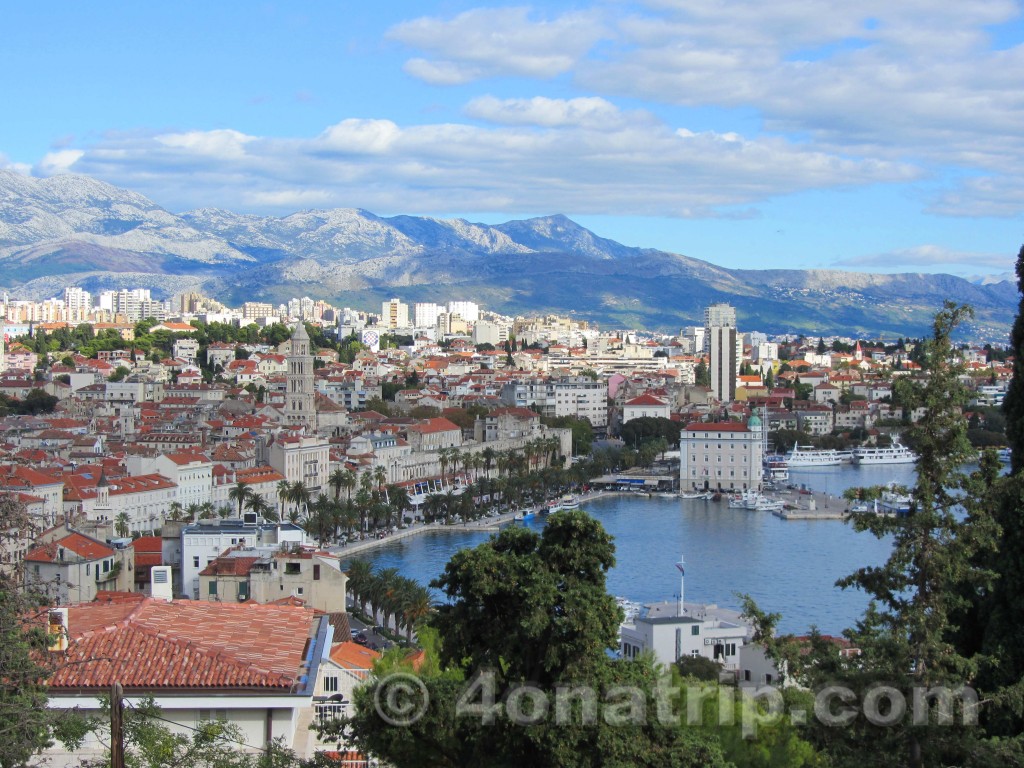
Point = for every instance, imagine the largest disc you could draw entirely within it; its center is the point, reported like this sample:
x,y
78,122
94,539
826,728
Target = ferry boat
x,y
569,502
1004,455
896,454
804,456
776,468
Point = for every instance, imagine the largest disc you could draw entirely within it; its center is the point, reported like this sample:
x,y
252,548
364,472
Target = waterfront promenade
x,y
487,524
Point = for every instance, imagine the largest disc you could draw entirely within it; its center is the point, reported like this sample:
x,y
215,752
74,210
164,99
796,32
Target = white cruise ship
x,y
804,456
896,454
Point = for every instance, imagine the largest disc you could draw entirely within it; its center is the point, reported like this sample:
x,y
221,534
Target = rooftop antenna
x,y
681,565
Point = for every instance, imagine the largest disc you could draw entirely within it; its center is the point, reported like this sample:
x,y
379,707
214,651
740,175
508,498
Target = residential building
x,y
394,314
266,574
254,666
72,568
721,456
645,406
203,543
705,631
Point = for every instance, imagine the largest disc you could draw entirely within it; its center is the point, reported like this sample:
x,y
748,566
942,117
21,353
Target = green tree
x,y
27,725
527,607
937,561
701,374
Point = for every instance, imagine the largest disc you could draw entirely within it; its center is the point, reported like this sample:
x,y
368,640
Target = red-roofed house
x,y
255,666
645,406
73,568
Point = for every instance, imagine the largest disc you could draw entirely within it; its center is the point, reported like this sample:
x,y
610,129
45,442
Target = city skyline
x,y
800,135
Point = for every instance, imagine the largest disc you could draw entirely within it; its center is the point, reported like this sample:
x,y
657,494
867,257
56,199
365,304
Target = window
x,y
298,590
106,566
316,572
768,679
695,653
207,715
695,629
746,675
331,684
213,588
88,569
195,561
292,569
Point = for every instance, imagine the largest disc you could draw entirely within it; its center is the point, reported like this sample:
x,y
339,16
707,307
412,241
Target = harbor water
x,y
788,567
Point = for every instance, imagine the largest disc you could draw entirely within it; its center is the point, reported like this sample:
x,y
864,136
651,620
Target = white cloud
x,y
489,42
59,161
929,257
591,112
580,155
6,164
216,143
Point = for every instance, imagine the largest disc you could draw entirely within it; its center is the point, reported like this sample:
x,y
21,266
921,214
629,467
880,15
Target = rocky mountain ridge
x,y
76,230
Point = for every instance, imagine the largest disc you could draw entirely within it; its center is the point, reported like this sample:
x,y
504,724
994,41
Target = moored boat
x,y
894,454
804,456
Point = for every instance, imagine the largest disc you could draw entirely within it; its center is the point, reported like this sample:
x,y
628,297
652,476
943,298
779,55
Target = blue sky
x,y
887,136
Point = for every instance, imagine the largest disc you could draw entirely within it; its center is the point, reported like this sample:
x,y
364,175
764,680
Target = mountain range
x,y
76,230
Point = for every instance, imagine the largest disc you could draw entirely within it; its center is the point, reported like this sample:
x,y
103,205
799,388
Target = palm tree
x,y
398,498
176,512
432,506
488,454
261,507
381,592
284,489
240,493
298,495
349,517
206,510
121,524
416,606
380,476
337,481
444,457
193,511
360,577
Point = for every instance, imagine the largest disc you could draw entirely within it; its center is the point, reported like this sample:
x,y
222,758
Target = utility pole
x,y
116,726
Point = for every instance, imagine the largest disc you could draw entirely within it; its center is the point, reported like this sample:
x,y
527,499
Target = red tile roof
x,y
83,546
155,645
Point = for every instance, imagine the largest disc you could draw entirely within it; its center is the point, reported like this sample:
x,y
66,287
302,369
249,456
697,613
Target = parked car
x,y
361,638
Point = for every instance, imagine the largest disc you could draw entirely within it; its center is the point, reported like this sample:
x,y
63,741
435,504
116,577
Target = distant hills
x,y
76,230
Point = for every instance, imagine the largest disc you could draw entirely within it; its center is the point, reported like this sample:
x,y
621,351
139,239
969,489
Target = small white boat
x,y
765,504
694,495
569,502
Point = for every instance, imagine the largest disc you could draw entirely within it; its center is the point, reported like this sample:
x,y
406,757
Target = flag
x,y
680,567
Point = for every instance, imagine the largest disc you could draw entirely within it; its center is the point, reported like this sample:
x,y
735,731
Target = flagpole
x,y
681,565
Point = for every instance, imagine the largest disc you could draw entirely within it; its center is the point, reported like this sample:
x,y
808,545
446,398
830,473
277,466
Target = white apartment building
x,y
467,310
724,365
721,456
578,396
425,314
394,314
486,332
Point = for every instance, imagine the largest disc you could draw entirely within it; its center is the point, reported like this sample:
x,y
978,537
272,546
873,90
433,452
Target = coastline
x,y
487,525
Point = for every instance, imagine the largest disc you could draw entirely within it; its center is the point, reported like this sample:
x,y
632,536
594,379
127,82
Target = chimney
x,y
160,585
57,629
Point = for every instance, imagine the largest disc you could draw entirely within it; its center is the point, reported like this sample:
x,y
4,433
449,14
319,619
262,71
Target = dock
x,y
814,505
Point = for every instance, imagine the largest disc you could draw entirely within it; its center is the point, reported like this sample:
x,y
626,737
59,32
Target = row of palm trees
x,y
390,595
542,451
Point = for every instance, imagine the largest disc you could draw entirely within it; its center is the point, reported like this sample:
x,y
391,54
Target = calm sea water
x,y
788,567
